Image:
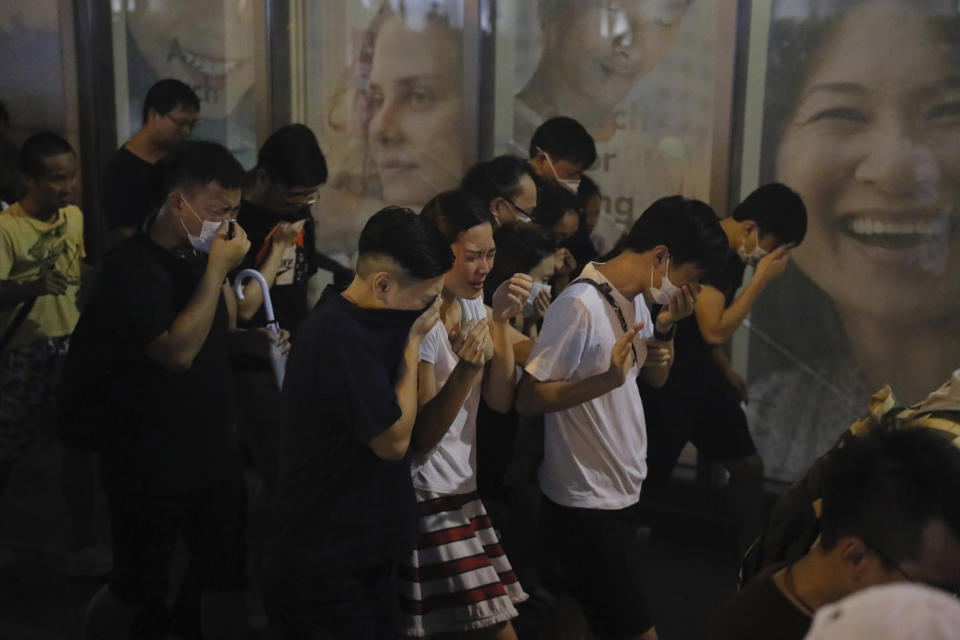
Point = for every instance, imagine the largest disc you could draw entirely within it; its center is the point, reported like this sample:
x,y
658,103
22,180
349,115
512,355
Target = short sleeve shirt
x,y
171,431
132,189
451,466
758,612
289,291
340,507
595,452
28,249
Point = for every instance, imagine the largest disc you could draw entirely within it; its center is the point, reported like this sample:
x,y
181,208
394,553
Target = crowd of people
x,y
477,402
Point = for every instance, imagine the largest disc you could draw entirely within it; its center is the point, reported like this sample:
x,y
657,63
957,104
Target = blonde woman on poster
x,y
395,122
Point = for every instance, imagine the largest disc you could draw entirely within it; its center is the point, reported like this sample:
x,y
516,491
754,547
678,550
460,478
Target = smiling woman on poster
x,y
862,118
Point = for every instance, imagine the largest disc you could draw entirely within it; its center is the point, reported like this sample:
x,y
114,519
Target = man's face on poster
x,y
603,47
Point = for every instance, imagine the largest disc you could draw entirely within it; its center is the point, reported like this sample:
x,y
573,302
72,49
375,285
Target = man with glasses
x,y
889,513
275,212
133,175
507,185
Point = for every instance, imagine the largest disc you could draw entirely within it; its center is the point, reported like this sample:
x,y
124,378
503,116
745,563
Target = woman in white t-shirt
x,y
457,579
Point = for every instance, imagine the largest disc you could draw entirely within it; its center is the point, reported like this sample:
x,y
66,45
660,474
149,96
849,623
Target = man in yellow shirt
x,y
41,247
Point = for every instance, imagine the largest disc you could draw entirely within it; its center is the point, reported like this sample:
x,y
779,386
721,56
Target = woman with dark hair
x,y
523,249
466,356
862,119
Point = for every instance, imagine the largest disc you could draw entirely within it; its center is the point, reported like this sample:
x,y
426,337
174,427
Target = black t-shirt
x,y
694,368
289,291
169,431
132,189
339,507
760,612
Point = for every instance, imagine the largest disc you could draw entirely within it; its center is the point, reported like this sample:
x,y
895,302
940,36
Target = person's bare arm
x,y
535,396
718,322
439,407
176,347
500,375
282,237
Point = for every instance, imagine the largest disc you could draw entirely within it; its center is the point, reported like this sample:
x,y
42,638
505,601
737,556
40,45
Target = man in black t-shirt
x,y
700,403
345,507
170,464
133,175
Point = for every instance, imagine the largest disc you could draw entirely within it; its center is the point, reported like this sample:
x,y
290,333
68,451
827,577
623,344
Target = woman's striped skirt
x,y
458,577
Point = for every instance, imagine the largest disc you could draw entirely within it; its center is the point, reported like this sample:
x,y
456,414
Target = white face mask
x,y
529,309
662,294
751,257
570,184
208,230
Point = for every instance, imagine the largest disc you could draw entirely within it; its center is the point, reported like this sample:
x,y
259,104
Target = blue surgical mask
x,y
208,230
662,294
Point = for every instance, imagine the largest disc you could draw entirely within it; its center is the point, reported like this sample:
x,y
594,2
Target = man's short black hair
x,y
38,147
410,240
564,138
198,163
453,212
777,209
554,201
168,94
291,156
497,178
886,486
688,228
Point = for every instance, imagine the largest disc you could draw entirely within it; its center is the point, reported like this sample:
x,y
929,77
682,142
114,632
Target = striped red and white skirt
x,y
457,578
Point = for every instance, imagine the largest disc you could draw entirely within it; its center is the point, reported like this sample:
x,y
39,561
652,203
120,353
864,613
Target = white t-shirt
x,y
451,466
594,453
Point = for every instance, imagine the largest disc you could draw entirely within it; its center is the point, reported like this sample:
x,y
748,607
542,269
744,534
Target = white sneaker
x,y
93,561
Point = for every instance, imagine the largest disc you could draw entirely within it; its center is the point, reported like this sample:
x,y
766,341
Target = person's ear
x,y
855,558
660,255
382,284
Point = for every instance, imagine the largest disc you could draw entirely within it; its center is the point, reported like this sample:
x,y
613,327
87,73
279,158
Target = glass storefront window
x,y
208,45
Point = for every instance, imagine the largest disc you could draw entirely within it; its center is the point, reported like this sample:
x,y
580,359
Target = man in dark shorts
x,y
700,402
133,175
598,336
889,514
345,508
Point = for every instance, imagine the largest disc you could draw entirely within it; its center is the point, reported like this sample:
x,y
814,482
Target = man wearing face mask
x,y
561,149
701,401
170,464
598,336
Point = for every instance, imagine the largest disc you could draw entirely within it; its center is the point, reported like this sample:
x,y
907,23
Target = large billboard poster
x,y
861,116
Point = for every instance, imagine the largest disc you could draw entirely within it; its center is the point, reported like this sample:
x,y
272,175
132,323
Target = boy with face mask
x,y
701,401
581,374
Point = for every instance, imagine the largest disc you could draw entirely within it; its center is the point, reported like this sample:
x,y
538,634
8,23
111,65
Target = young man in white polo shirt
x,y
597,338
